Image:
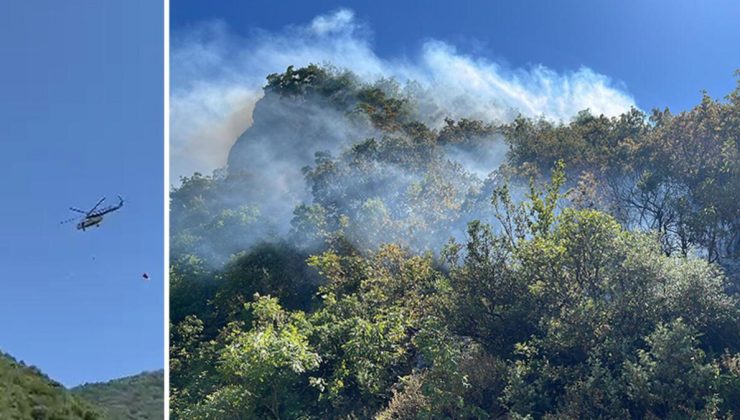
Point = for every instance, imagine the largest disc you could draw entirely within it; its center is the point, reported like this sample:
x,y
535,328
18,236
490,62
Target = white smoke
x,y
218,76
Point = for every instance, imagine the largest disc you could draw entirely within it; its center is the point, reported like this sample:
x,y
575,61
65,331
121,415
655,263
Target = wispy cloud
x,y
217,77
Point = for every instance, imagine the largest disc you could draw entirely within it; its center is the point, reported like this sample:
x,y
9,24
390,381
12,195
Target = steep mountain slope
x,y
315,277
135,397
26,393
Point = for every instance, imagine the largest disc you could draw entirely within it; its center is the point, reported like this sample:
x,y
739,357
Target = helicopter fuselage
x,y
89,222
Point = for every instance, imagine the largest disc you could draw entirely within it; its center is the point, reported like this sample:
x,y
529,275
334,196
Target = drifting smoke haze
x,y
217,77
221,117
283,140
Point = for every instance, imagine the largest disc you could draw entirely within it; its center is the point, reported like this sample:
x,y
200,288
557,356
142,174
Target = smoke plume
x,y
218,76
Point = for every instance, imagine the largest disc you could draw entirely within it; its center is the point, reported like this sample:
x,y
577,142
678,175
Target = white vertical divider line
x,y
166,275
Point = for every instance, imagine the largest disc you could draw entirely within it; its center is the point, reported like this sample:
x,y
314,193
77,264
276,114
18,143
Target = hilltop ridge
x,y
25,393
136,397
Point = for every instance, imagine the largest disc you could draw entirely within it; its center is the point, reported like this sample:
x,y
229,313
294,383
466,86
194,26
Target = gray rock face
x,y
285,137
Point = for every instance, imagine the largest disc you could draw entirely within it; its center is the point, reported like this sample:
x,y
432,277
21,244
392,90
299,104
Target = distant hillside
x,y
26,393
135,397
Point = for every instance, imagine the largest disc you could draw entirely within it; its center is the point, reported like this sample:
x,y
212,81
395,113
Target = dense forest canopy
x,y
364,256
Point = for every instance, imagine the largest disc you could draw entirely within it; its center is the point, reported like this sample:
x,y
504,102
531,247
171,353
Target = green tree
x,y
672,379
261,368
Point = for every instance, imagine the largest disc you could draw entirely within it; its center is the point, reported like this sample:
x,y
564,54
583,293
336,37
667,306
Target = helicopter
x,y
94,216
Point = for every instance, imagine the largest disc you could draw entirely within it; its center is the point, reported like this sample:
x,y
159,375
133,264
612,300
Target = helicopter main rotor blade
x,y
68,220
78,210
96,206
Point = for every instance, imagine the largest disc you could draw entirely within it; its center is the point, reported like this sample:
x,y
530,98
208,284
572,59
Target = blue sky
x,y
648,54
80,118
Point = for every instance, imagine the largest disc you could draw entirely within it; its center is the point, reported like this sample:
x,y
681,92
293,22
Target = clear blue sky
x,y
665,52
81,100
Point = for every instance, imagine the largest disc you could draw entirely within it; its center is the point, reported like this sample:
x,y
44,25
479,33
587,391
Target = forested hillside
x,y
26,393
365,256
138,397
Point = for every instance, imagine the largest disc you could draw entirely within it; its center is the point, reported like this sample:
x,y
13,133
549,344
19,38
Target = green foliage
x,y
469,134
382,191
581,319
26,393
192,364
260,366
372,308
205,224
268,268
677,174
313,80
672,378
385,112
138,397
